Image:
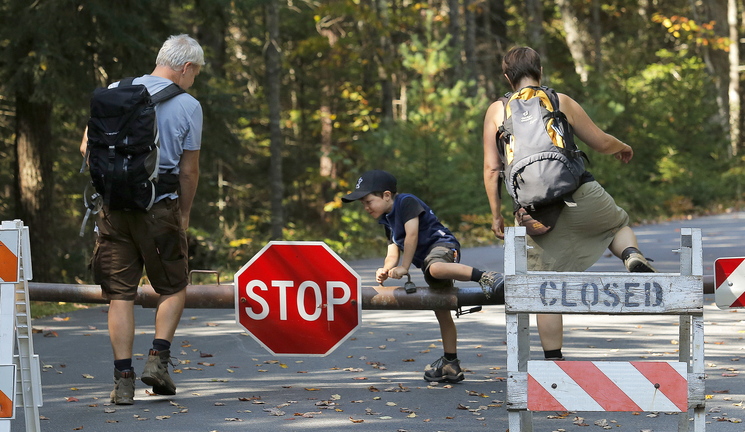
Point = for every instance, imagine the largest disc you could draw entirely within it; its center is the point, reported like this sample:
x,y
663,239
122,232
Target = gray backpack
x,y
541,163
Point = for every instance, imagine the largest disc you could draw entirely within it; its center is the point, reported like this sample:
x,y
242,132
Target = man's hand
x,y
398,272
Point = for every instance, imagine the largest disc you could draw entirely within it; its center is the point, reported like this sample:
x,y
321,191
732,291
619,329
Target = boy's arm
x,y
410,242
391,261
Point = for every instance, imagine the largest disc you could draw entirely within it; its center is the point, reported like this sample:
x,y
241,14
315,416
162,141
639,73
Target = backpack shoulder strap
x,y
172,90
552,96
501,142
126,81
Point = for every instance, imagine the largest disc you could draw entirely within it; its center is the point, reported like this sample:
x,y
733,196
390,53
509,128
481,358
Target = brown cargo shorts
x,y
129,240
440,253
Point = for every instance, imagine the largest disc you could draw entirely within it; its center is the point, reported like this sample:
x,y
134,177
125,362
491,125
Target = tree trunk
x,y
717,61
385,62
469,46
575,39
35,156
326,166
273,70
597,37
534,12
734,77
454,28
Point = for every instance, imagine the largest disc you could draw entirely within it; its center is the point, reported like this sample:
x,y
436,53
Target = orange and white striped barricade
x,y
669,386
20,375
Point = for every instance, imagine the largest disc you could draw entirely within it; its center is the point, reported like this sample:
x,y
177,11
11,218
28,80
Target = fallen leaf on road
x,y
355,420
72,399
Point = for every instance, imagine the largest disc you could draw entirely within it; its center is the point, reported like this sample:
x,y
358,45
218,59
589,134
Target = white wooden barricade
x,y
599,385
20,375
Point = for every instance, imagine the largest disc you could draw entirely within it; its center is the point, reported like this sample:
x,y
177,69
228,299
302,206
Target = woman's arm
x,y
493,165
590,134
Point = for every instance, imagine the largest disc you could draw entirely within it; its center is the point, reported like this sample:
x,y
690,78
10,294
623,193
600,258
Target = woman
x,y
582,232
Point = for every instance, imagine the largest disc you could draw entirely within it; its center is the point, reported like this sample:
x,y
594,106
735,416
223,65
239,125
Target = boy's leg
x,y
446,368
448,331
450,270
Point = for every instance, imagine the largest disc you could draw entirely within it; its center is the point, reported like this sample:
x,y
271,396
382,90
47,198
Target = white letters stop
x,y
332,287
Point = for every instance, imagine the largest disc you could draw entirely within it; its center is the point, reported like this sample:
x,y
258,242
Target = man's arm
x,y
188,179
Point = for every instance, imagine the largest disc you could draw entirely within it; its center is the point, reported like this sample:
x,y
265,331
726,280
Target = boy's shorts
x,y
440,253
129,240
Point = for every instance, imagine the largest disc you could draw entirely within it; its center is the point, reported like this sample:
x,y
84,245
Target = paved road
x,y
373,382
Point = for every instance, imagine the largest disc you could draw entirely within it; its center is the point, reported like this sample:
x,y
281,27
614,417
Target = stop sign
x,y
298,298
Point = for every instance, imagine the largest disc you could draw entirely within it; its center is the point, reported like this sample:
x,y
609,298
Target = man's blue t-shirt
x,y
431,230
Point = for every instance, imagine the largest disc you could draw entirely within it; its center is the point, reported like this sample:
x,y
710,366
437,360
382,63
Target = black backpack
x,y
541,163
123,146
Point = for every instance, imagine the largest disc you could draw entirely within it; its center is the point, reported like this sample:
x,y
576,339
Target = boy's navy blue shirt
x,y
431,231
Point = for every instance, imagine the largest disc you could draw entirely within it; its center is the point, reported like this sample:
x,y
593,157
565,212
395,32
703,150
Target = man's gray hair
x,y
177,50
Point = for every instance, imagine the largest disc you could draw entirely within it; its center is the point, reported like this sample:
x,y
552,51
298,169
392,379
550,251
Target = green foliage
x,y
435,153
665,112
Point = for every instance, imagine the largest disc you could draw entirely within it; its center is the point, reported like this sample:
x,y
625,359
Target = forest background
x,y
301,96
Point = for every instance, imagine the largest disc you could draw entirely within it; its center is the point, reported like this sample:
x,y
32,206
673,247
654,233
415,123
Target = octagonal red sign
x,y
298,298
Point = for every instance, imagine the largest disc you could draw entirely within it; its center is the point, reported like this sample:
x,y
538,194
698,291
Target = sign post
x,y
298,298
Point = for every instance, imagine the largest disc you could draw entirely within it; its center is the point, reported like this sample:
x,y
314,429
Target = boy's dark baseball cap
x,y
371,181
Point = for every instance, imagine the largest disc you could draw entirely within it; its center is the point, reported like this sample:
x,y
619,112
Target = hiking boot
x,y
636,263
124,388
156,375
493,283
443,370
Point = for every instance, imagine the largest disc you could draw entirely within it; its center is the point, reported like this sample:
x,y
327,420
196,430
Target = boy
x,y
417,237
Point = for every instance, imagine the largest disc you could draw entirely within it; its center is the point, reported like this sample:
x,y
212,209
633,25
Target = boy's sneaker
x,y
493,283
156,374
636,263
124,388
443,370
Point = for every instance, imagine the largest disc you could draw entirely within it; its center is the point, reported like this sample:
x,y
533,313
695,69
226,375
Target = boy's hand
x,y
398,272
381,275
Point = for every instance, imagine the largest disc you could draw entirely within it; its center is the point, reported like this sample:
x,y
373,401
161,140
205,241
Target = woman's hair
x,y
178,50
521,62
